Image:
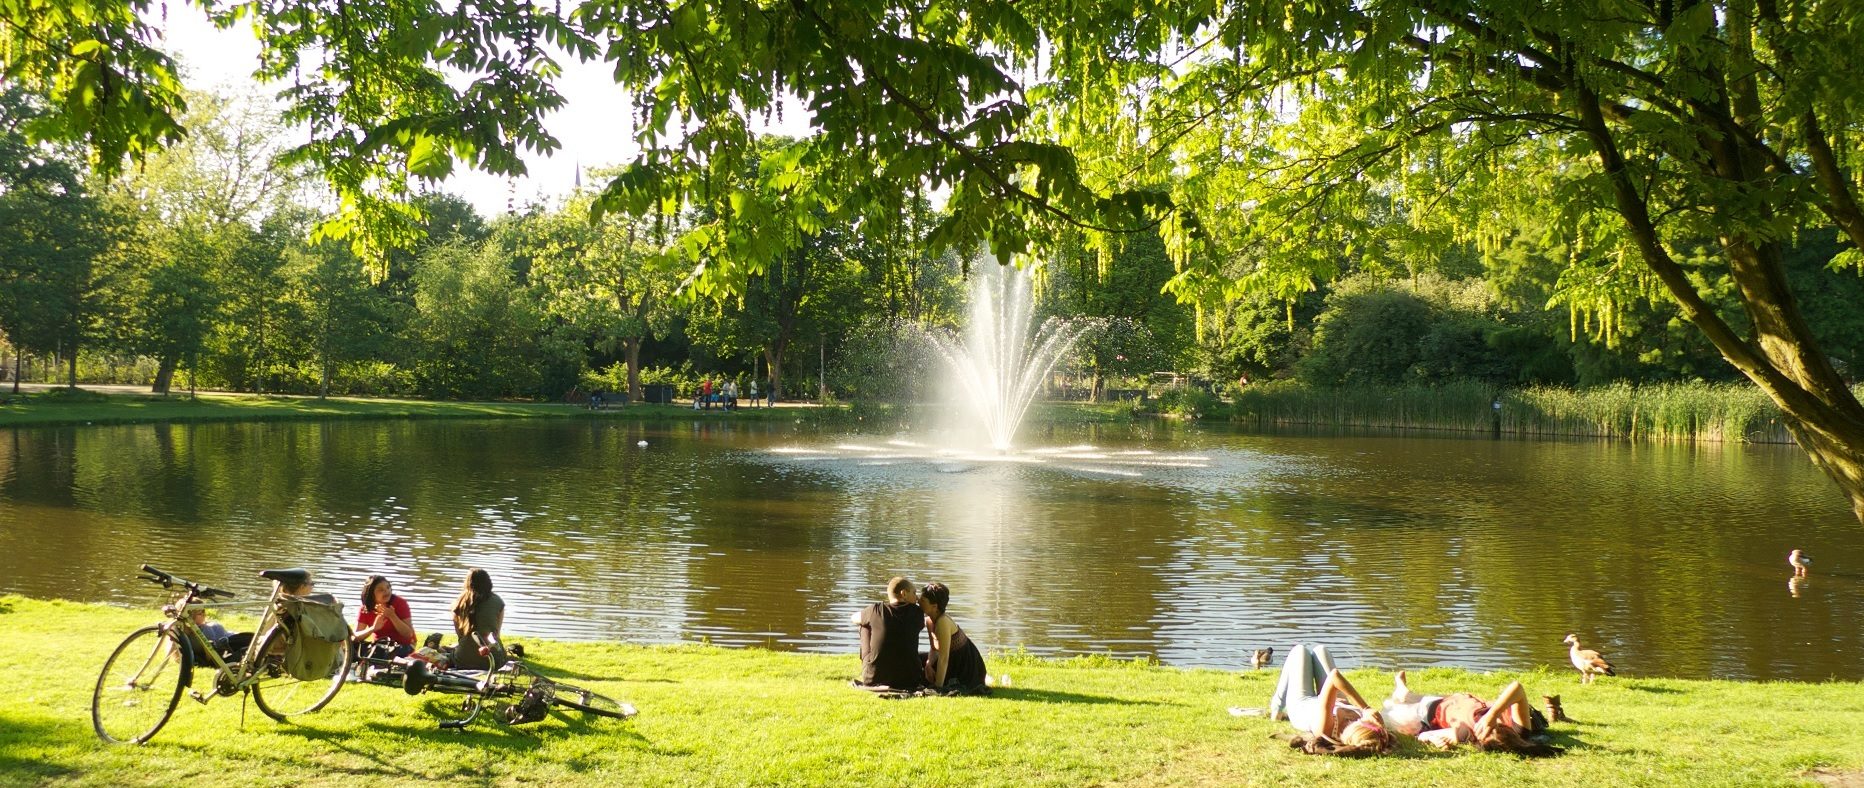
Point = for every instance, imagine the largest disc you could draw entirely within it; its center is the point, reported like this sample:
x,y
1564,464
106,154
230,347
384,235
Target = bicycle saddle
x,y
290,577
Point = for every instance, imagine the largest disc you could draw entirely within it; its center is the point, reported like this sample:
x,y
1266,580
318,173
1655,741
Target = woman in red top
x,y
385,619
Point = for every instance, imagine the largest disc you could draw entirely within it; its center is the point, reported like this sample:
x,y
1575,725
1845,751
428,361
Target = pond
x,y
1395,550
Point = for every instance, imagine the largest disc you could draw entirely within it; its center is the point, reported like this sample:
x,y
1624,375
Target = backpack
x,y
319,636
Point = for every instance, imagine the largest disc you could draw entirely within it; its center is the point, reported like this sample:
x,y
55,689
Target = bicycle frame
x,y
229,679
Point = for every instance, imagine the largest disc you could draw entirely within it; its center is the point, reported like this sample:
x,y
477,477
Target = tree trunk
x,y
631,348
73,362
1782,357
18,360
165,374
773,360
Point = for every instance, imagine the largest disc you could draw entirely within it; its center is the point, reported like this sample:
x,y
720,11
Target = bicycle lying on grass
x,y
515,693
293,667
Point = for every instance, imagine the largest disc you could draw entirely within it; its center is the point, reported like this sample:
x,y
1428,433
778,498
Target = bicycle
x,y
535,693
142,681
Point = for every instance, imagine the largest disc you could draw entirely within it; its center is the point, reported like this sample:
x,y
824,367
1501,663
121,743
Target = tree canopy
x,y
1678,147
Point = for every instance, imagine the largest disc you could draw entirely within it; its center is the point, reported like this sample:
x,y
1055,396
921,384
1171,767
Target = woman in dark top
x,y
478,618
954,664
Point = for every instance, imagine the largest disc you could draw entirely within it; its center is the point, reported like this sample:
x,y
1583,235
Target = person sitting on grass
x,y
478,619
1317,699
231,646
383,621
1444,721
954,665
890,639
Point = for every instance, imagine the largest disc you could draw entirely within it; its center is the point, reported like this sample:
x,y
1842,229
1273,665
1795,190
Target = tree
x,y
1140,329
343,317
204,193
57,253
175,297
605,279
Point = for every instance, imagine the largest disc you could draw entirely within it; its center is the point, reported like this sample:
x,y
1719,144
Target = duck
x,y
1589,662
1261,658
1799,561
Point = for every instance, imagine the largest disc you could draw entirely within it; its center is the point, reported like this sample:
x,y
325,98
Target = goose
x,y
1799,562
1261,658
1589,663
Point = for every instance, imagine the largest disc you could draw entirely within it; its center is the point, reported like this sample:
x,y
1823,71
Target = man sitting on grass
x,y
890,639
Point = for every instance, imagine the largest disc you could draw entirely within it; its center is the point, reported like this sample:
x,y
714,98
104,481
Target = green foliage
x,y
1187,401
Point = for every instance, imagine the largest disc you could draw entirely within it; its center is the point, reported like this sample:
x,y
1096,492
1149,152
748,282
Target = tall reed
x,y
1657,412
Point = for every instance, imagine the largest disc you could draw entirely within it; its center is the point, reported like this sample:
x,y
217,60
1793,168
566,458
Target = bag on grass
x,y
321,635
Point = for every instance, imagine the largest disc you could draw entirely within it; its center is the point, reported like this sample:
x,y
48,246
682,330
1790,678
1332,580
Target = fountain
x,y
1000,364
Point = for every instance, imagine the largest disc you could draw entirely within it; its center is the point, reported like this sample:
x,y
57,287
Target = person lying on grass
x,y
954,666
1443,721
1330,714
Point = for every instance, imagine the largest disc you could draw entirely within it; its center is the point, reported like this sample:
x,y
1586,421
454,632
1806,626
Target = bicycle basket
x,y
320,632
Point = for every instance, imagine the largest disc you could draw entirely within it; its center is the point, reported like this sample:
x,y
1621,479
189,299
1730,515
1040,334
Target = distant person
x,y
731,395
954,665
384,626
478,620
1318,701
705,392
1443,721
890,639
753,392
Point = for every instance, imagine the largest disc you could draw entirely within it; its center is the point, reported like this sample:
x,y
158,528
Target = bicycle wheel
x,y
280,695
589,702
139,686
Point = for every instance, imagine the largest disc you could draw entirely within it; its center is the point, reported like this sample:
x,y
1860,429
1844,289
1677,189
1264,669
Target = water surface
x,y
1394,550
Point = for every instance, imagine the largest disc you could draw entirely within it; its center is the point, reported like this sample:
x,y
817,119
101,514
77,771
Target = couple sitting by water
x,y
1318,700
890,656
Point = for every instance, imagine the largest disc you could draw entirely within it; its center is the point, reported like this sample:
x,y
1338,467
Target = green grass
x,y
58,407
713,716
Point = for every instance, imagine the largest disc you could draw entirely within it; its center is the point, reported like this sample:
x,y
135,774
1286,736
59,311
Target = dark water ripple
x,y
1393,550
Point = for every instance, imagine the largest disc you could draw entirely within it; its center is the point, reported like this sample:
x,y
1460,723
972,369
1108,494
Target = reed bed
x,y
1680,412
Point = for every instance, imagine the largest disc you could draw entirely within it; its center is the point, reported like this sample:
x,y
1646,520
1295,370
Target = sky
x,y
595,125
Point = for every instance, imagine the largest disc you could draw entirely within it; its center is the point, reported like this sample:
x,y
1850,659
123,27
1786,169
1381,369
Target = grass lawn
x,y
60,408
713,716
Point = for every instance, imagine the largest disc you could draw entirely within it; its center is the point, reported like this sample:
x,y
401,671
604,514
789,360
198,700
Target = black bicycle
x,y
513,692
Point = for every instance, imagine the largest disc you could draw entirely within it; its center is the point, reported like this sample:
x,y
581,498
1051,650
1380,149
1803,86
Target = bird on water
x,y
1799,562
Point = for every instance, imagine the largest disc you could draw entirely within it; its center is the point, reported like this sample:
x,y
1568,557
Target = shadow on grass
x,y
20,756
1056,696
336,740
1653,690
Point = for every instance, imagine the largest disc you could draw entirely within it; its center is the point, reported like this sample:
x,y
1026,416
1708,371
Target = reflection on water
x,y
1195,546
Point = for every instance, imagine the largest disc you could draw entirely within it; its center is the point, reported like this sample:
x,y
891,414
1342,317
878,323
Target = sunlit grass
x,y
713,716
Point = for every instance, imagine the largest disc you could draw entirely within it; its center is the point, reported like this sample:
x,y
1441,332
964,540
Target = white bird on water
x,y
1799,562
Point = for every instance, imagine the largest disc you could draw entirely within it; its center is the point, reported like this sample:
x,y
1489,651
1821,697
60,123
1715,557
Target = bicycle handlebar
x,y
167,580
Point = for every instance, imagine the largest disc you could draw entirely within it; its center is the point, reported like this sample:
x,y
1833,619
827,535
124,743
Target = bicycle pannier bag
x,y
322,634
